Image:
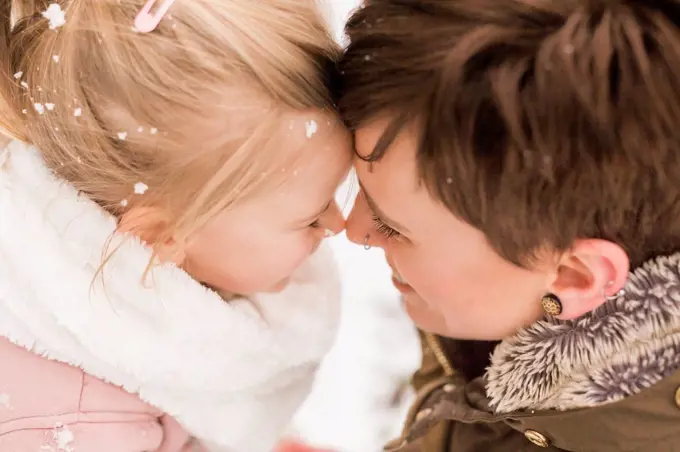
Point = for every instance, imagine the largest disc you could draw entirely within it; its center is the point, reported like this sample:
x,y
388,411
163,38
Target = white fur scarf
x,y
232,373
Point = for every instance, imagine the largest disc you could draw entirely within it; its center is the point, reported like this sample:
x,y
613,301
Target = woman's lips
x,y
398,277
400,283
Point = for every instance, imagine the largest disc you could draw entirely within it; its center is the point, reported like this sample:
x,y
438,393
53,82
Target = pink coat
x,y
48,406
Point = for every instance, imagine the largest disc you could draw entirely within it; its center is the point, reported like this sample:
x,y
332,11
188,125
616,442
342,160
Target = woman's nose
x,y
360,229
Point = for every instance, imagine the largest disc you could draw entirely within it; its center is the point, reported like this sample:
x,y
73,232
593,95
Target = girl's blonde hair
x,y
115,111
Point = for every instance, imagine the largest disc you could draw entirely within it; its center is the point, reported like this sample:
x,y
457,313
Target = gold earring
x,y
551,305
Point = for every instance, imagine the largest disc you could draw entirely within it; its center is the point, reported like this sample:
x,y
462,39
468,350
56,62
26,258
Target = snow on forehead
x,y
308,126
300,134
311,127
305,134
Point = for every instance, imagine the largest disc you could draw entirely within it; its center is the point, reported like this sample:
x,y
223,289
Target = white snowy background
x,y
361,395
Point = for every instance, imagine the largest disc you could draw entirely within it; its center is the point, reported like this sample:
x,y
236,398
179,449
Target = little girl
x,y
167,158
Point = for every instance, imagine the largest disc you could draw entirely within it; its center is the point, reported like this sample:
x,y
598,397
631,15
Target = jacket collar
x,y
628,344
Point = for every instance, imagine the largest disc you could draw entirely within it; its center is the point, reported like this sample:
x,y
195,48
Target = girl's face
x,y
258,244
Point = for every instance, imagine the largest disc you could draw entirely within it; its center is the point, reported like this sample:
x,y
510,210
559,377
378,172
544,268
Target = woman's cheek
x,y
407,264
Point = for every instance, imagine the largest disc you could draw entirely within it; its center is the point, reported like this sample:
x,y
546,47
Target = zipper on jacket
x,y
438,350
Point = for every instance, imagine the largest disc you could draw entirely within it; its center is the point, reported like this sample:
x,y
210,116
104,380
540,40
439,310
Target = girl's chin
x,y
279,286
228,294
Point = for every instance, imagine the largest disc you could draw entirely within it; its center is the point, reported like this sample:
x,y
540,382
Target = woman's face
x,y
453,282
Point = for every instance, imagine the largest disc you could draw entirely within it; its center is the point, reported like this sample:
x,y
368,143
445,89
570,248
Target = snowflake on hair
x,y
55,15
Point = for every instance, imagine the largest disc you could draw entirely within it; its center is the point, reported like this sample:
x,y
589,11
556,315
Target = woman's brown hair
x,y
541,122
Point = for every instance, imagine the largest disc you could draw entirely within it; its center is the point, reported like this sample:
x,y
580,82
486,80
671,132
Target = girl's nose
x,y
333,220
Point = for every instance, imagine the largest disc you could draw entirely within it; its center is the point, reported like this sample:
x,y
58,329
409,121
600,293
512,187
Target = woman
x,y
519,166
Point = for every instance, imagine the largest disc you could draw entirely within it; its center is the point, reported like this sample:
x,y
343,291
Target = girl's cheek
x,y
314,243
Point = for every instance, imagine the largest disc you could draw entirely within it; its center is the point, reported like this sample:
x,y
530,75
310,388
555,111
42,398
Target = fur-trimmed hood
x,y
627,345
606,382
232,373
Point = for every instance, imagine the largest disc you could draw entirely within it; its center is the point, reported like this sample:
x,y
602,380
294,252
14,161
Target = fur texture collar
x,y
625,346
231,373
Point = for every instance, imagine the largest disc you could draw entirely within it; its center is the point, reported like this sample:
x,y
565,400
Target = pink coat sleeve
x,y
51,407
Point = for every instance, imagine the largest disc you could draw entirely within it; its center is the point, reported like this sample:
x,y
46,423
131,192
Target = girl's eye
x,y
384,229
315,224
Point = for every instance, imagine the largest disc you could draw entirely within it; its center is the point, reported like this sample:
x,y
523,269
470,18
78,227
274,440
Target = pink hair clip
x,y
146,22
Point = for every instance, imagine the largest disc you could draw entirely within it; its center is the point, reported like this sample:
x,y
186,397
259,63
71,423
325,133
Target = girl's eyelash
x,y
384,229
315,224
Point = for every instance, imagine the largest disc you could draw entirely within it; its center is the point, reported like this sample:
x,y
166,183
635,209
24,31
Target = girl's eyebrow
x,y
318,213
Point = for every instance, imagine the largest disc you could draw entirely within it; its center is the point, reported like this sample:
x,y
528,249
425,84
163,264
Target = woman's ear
x,y
150,224
588,274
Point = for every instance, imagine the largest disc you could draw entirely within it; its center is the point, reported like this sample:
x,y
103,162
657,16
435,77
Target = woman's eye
x,y
384,229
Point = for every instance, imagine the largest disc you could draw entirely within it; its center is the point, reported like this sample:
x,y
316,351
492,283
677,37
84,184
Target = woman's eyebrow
x,y
374,207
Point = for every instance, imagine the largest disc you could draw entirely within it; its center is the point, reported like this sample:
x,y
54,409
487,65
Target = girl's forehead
x,y
318,163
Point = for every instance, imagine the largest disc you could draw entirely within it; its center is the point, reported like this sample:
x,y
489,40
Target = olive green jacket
x,y
607,382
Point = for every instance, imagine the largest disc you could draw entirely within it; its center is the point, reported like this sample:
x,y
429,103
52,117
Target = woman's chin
x,y
424,318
